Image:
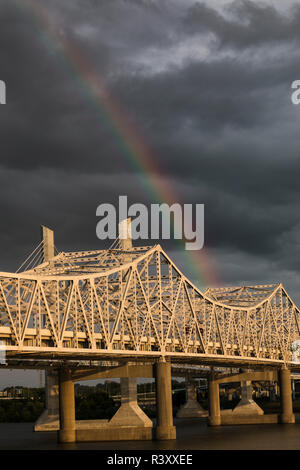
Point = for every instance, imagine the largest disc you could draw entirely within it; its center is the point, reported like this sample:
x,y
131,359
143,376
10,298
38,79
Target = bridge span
x,y
130,310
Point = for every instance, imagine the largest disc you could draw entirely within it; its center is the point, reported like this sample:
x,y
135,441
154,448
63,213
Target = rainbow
x,y
138,154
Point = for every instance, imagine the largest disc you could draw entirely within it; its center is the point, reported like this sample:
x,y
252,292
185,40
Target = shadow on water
x,y
191,435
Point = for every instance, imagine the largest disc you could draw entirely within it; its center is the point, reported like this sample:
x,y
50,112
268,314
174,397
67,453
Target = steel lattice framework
x,y
137,303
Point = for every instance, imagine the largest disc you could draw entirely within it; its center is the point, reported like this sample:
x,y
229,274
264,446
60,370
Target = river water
x,y
191,435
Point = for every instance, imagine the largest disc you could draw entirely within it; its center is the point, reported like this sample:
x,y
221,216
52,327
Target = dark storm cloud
x,y
251,24
207,88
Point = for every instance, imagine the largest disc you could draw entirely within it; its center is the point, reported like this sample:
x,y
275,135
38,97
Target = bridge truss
x,y
136,303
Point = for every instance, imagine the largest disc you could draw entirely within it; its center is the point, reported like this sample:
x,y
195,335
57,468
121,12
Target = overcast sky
x,y
206,86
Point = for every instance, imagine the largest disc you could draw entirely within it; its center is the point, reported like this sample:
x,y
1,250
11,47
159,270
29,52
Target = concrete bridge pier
x,y
49,420
191,409
67,430
214,418
129,413
165,429
247,406
52,397
287,415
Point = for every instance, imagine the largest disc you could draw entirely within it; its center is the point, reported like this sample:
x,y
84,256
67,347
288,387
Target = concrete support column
x,y
165,428
129,413
214,418
67,431
293,390
52,395
190,390
272,392
247,406
128,390
49,419
287,415
246,388
191,409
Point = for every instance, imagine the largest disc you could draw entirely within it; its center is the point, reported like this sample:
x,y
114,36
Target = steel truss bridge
x,y
135,304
